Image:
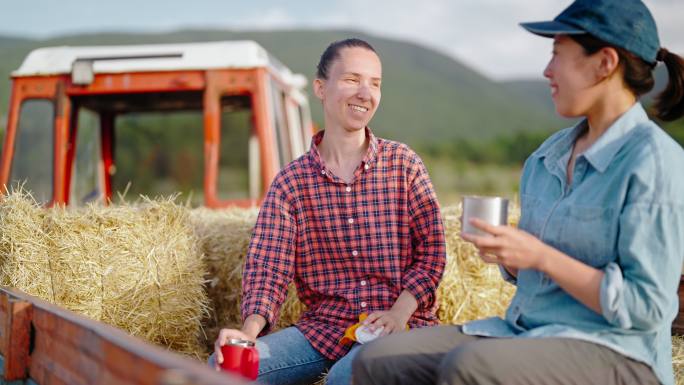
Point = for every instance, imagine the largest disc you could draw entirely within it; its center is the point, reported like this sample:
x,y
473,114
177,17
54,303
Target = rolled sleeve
x,y
640,292
269,264
612,287
422,276
508,277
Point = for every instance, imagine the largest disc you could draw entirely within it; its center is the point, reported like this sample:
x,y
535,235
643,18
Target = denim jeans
x,y
287,358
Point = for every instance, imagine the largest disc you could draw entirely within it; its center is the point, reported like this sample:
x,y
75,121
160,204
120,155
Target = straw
x,y
134,266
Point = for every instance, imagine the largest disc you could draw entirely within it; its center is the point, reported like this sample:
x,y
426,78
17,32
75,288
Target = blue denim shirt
x,y
623,214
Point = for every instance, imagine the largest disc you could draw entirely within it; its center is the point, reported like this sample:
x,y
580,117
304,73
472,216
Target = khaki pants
x,y
443,355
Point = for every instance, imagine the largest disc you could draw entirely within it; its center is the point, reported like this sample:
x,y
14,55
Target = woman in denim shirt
x,y
598,253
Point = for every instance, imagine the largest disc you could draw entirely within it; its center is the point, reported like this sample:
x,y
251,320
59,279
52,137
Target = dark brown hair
x,y
333,52
638,76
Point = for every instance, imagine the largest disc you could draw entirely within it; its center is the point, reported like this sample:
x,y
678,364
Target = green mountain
x,y
428,97
8,41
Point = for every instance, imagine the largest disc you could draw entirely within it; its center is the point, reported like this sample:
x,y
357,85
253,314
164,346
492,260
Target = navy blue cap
x,y
626,24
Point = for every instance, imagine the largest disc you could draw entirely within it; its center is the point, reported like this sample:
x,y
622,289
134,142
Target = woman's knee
x,y
370,362
468,363
338,376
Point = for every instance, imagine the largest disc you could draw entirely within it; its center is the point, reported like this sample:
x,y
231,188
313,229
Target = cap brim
x,y
551,28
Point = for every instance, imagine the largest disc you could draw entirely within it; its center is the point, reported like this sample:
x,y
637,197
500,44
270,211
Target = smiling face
x,y
573,77
351,93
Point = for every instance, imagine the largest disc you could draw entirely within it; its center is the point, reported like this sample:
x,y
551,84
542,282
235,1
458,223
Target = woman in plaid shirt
x,y
354,222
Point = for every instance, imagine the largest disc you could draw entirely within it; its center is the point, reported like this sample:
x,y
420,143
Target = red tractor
x,y
213,120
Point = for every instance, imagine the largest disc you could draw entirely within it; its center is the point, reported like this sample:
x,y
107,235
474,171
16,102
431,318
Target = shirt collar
x,y
602,152
368,159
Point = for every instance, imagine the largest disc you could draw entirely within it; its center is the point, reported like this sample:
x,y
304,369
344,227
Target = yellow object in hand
x,y
361,333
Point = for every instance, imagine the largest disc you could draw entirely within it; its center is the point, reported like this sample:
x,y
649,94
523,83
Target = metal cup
x,y
493,210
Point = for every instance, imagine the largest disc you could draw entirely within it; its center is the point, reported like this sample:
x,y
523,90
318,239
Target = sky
x,y
483,34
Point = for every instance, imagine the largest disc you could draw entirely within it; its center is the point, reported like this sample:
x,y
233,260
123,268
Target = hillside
x,y
428,97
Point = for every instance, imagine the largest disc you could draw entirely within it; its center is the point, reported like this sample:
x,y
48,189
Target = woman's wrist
x,y
405,305
253,325
544,254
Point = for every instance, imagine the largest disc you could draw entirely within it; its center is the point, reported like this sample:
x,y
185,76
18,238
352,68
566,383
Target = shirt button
x,y
355,253
350,220
363,304
323,172
366,167
348,189
363,283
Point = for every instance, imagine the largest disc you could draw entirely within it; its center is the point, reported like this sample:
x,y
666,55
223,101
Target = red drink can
x,y
240,357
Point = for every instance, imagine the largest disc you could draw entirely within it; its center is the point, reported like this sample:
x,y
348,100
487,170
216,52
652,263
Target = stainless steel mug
x,y
493,210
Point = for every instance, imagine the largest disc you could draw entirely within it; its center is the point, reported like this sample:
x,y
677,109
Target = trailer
x,y
43,344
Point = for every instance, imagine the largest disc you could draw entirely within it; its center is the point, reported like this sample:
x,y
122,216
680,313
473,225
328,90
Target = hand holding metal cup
x,y
497,242
493,210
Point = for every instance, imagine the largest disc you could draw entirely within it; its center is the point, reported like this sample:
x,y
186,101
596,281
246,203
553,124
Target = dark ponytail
x,y
638,76
669,105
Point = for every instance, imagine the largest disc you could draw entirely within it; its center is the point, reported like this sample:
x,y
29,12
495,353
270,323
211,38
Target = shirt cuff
x,y
508,277
263,309
422,289
612,302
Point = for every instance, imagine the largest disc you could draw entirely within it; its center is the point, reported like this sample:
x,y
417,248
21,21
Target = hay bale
x,y
224,238
137,267
84,260
24,246
678,358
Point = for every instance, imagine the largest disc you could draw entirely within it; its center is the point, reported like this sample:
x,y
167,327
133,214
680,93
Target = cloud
x,y
271,18
668,15
482,33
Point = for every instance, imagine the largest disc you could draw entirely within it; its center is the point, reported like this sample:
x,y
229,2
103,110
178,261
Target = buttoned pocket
x,y
589,234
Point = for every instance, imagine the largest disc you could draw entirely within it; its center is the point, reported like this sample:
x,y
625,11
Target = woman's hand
x,y
250,329
509,246
391,321
224,336
517,249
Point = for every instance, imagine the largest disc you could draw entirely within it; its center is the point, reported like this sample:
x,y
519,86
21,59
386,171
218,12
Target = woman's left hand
x,y
390,320
508,246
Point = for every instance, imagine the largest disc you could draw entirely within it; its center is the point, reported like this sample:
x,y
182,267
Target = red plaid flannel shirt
x,y
350,247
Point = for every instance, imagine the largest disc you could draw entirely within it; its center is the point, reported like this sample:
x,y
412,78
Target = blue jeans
x,y
287,358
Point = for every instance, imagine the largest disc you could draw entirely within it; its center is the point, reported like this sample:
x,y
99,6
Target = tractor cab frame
x,y
47,150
